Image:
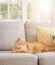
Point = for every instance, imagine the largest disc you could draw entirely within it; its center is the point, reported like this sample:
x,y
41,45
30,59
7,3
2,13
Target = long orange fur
x,y
21,46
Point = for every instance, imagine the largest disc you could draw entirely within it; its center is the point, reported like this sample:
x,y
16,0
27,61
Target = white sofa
x,y
9,31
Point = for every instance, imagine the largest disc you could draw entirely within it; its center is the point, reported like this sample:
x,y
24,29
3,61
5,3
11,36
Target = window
x,y
29,10
35,10
39,10
10,9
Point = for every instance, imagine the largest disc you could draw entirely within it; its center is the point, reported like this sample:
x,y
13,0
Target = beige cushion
x,y
46,58
18,59
5,51
44,36
30,29
9,32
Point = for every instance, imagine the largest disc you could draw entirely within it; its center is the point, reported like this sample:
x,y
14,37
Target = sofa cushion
x,y
46,58
5,51
30,29
44,36
18,59
9,32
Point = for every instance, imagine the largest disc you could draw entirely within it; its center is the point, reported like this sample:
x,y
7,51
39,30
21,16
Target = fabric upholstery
x,y
5,51
46,58
18,59
9,32
30,29
44,36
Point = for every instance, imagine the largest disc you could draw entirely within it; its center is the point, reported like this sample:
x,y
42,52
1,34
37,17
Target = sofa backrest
x,y
9,32
30,29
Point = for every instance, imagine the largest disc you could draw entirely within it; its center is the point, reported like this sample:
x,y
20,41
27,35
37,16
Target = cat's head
x,y
20,45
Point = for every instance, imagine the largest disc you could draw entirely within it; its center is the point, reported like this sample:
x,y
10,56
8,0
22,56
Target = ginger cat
x,y
21,46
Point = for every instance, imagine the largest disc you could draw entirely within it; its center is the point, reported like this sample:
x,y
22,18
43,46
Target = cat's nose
x,y
18,47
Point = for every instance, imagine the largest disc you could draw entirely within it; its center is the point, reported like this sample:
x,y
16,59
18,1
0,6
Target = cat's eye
x,y
18,47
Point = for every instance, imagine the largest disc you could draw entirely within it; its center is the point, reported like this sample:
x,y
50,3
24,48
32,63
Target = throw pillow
x,y
44,37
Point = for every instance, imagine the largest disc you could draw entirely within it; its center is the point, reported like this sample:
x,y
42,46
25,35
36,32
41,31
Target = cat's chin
x,y
22,52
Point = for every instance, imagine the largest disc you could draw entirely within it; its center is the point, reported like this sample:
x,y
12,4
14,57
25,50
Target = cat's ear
x,y
21,39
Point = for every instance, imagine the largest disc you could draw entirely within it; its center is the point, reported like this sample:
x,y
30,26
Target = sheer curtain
x,y
41,10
